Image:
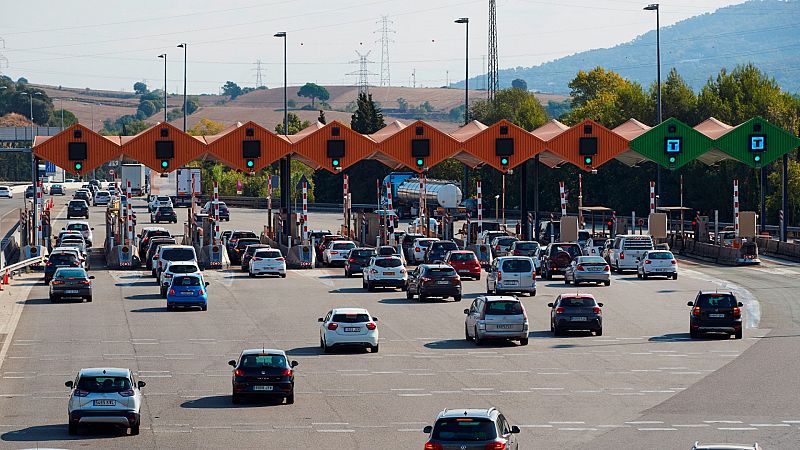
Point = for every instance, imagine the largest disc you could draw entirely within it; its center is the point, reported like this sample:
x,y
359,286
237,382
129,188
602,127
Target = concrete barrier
x,y
778,249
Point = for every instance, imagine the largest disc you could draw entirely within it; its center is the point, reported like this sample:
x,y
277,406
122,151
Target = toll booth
x,y
121,252
199,233
300,257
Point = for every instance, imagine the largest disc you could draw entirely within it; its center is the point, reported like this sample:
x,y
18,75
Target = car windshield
x,y
351,318
716,301
440,272
178,254
576,302
186,281
264,361
182,268
343,246
78,227
503,308
463,257
362,253
527,246
464,429
268,254
517,266
573,250
70,273
104,384
592,260
388,262
660,255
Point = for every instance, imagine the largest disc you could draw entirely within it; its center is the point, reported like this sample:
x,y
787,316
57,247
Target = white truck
x,y
183,183
135,174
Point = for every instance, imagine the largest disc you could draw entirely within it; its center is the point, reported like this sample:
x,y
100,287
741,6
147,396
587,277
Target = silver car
x,y
496,317
588,269
511,274
105,395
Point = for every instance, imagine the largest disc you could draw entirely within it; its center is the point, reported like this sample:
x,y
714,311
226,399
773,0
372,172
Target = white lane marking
x,y
693,425
658,429
737,428
770,425
339,431
644,422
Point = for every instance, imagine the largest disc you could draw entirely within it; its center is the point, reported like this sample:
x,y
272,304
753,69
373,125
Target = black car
x,y
234,236
81,195
434,280
77,208
29,192
152,248
71,282
262,372
248,254
438,250
358,259
235,255
557,257
715,312
576,312
56,260
164,214
57,189
148,234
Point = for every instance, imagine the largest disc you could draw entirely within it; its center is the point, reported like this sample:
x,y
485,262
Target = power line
x,y
259,74
494,82
385,40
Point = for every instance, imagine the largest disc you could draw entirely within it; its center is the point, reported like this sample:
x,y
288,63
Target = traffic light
x,y
420,163
587,161
78,166
504,161
165,164
336,163
77,153
757,159
250,163
672,160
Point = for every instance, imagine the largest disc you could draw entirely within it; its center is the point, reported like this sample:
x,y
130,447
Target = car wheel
x,y
375,348
204,308
370,286
347,274
523,341
235,399
457,298
283,275
566,281
252,275
478,278
466,333
693,334
89,299
549,275
644,276
738,335
72,429
169,308
638,275
675,276
163,293
409,295
607,283
477,339
52,299
325,347
363,283
422,297
599,332
135,430
290,399
556,331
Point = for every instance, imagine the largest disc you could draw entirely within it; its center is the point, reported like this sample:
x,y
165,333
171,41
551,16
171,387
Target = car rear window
x,y
660,255
716,301
388,262
517,266
104,384
178,254
576,302
71,273
592,260
186,281
440,272
78,226
386,251
264,361
424,244
444,246
362,253
242,243
503,308
343,246
526,246
243,234
464,429
62,258
638,243
463,257
181,268
573,250
268,254
77,203
506,241
351,318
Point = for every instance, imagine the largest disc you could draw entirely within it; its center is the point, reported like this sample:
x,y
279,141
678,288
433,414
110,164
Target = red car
x,y
465,263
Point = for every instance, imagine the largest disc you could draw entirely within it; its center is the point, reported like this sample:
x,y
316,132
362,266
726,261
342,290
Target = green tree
x,y
192,105
519,83
678,100
607,98
774,199
22,81
139,88
314,91
368,118
148,108
295,124
231,89
206,127
519,107
456,114
402,104
69,118
291,103
426,106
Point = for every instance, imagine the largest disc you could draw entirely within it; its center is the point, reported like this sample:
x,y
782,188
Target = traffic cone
x,y
5,278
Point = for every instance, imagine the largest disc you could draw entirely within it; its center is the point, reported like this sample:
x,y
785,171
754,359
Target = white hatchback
x,y
348,327
657,263
5,192
107,396
337,252
176,268
269,261
385,271
419,248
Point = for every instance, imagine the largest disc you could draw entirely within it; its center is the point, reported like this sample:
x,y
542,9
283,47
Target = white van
x,y
627,249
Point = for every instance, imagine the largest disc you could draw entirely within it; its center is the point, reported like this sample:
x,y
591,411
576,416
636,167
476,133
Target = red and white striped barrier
x,y
269,206
128,215
480,208
215,204
736,207
39,212
563,194
652,197
345,192
305,211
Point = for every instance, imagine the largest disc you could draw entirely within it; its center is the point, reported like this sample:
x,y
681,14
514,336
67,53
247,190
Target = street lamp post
x,y
282,34
465,21
654,7
286,163
183,46
497,208
164,55
34,174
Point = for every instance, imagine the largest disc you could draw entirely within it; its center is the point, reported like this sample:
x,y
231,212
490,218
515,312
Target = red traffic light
x,y
610,223
694,222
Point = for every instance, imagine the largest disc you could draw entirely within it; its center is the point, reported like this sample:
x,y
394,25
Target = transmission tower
x,y
494,82
3,59
259,70
385,40
363,72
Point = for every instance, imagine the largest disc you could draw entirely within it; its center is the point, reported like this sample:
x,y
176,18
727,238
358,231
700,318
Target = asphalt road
x,y
643,384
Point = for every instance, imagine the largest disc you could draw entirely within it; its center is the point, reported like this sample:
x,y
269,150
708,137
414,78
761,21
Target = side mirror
x,y
427,429
466,311
690,304
549,305
375,319
91,277
91,228
515,430
141,384
68,384
740,304
637,259
294,364
600,305
320,319
232,363
207,283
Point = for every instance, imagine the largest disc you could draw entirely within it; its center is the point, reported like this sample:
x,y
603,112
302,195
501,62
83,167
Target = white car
x,y
170,253
106,396
348,327
336,252
81,227
73,251
419,248
176,268
385,271
5,192
158,201
101,198
267,260
657,263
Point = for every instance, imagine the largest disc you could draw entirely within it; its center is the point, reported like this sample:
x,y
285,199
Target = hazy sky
x,y
112,44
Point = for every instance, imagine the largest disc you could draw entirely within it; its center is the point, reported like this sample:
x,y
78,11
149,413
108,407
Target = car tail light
x,y
622,255
126,393
597,310
606,268
256,259
371,326
696,311
48,264
172,292
81,393
673,262
737,312
499,276
517,253
495,446
280,259
238,373
647,261
497,248
86,282
402,270
286,373
351,260
56,282
579,267
417,249
333,326
533,275
201,292
560,310
373,271
425,279
433,446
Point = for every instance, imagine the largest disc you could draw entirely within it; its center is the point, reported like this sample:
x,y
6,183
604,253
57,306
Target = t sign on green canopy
x,y
757,142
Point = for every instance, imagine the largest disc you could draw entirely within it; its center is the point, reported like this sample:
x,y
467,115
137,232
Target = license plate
x,y
443,282
504,327
578,319
72,291
510,282
262,388
388,273
463,271
104,402
352,329
187,293
595,269
716,316
660,270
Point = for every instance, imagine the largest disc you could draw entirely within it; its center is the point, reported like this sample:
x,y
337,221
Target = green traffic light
x,y
672,160
504,161
587,161
335,163
164,164
250,163
420,162
78,166
757,158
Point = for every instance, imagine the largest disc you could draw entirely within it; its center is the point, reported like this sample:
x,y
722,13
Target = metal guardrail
x,y
23,264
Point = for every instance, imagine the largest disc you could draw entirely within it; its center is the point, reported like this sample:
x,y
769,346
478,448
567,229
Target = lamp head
x,y
164,55
462,20
651,7
182,45
280,34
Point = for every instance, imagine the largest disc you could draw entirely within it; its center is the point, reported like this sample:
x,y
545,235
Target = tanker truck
x,y
440,195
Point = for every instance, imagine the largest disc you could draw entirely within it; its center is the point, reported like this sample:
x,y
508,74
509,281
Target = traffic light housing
x,y
250,163
587,147
251,150
420,163
420,149
77,153
165,151
335,151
